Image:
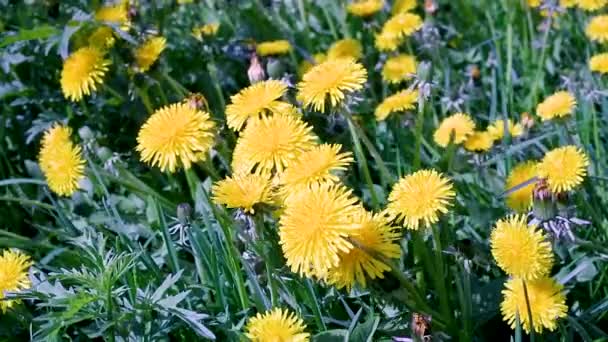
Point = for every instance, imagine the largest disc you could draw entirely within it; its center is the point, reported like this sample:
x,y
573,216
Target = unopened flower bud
x,y
430,6
255,72
198,101
543,202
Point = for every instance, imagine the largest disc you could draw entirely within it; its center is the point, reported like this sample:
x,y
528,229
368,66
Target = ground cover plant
x,y
295,170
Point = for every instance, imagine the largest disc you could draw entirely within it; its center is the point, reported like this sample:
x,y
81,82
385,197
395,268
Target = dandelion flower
x,y
599,63
399,102
314,228
592,5
61,161
375,235
521,200
546,300
272,143
148,52
175,135
317,165
307,65
479,142
402,25
567,3
403,6
275,47
399,68
558,105
564,168
345,48
276,325
115,14
102,38
332,78
365,8
13,275
597,29
497,129
82,72
419,198
242,190
534,3
207,30
459,125
253,101
521,250
386,42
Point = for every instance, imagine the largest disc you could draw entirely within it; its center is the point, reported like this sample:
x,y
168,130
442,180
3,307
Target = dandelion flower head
x,y
275,47
497,129
102,38
148,52
399,68
564,168
318,165
13,275
592,5
82,72
459,125
276,325
479,142
345,48
599,63
558,105
521,200
243,190
399,102
115,14
61,160
597,29
364,8
403,6
254,101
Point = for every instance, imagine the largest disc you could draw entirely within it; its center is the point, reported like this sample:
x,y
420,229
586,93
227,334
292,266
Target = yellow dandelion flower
x,y
276,325
403,6
175,135
564,168
399,68
61,161
558,105
345,48
521,250
13,275
307,65
418,199
275,47
332,78
115,14
597,29
82,72
399,102
546,299
568,3
102,38
592,5
479,142
207,30
311,243
148,52
521,200
374,235
460,125
317,165
271,143
534,3
402,25
497,129
385,42
254,101
243,190
599,63
365,8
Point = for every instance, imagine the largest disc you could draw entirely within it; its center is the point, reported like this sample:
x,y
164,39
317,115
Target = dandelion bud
x,y
526,120
197,101
255,72
275,68
184,211
430,6
543,205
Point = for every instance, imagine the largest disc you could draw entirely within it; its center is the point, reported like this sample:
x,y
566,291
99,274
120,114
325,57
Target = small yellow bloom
x,y
345,48
272,143
61,161
82,72
597,29
275,47
115,14
254,101
276,325
365,8
13,275
521,250
148,52
175,135
564,168
315,166
207,30
460,125
592,5
399,68
315,226
403,6
534,3
332,78
497,129
102,38
418,199
479,142
546,300
558,105
521,200
402,25
243,190
568,3
375,235
399,102
386,42
599,63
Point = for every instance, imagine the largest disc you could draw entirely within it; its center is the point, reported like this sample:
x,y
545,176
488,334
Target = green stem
x,y
532,332
418,134
362,161
540,65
